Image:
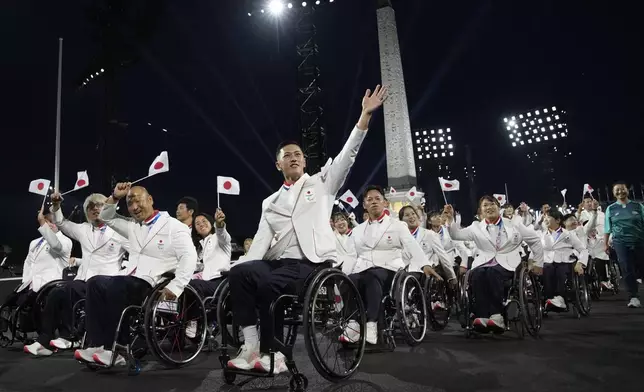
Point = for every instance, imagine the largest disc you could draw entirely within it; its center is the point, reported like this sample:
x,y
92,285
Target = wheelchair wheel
x,y
78,319
330,302
530,303
615,276
582,294
225,320
593,283
412,309
464,316
436,292
175,331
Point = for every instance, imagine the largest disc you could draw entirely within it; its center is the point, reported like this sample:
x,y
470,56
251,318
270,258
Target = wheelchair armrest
x,y
224,274
168,275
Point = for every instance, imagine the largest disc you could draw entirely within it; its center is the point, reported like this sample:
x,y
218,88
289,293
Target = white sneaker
x,y
495,322
104,357
351,332
372,332
264,363
560,302
62,344
639,281
438,305
191,329
38,350
87,354
246,358
634,303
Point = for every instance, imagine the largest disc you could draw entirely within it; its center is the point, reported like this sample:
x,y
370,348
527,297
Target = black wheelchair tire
x,y
232,338
309,318
532,326
436,325
583,303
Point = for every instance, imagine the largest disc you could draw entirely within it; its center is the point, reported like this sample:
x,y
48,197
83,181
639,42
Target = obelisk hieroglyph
x,y
401,171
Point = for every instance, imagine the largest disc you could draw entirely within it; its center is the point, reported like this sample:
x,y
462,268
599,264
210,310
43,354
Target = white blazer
x,y
435,253
311,212
392,247
47,257
508,255
165,246
453,248
103,257
346,249
594,229
216,253
559,248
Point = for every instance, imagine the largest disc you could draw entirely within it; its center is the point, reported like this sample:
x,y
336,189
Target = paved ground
x,y
605,351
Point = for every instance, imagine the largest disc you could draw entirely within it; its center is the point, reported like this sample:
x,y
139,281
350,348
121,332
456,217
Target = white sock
x,y
250,336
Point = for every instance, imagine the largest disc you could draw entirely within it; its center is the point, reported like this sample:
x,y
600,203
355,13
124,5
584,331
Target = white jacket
x,y
163,247
559,245
310,215
102,254
435,253
390,246
346,249
47,257
216,253
508,254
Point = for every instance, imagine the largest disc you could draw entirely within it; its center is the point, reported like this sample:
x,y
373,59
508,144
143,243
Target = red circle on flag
x,y
500,198
158,166
80,183
40,186
412,194
448,185
228,185
349,199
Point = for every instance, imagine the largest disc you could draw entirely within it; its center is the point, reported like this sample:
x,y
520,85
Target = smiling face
x,y
620,191
411,218
571,223
489,210
291,162
340,224
203,226
139,203
93,211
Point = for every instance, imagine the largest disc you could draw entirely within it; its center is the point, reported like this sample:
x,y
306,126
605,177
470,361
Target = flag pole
x,y
218,205
58,104
140,179
444,196
507,195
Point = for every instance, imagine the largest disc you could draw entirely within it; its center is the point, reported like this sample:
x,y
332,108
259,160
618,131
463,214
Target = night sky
x,y
223,85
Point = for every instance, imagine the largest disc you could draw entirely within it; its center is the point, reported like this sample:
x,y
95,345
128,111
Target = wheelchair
x,y
318,305
523,310
578,293
439,291
22,321
212,305
159,326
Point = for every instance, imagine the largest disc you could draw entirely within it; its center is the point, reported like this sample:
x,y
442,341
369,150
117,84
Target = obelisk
x,y
401,171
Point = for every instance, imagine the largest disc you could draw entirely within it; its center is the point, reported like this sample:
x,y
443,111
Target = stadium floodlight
x,y
276,7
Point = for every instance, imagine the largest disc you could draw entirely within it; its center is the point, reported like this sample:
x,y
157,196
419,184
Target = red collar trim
x,y
379,220
495,223
151,218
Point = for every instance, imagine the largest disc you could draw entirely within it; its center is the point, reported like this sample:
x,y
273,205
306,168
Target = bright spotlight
x,y
317,2
276,7
290,5
102,70
514,144
304,4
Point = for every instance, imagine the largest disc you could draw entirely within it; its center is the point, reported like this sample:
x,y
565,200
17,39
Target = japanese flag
x,y
412,193
227,185
82,180
501,199
392,190
563,193
449,185
349,198
160,164
39,187
588,189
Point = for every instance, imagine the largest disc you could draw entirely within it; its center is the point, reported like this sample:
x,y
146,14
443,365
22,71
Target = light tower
x,y
401,171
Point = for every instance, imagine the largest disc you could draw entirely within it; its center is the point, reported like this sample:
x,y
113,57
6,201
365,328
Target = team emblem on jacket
x,y
515,238
309,196
111,247
424,245
389,240
160,245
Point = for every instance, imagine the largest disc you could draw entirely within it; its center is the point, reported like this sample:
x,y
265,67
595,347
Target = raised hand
x,y
373,101
56,199
448,212
41,217
120,190
220,218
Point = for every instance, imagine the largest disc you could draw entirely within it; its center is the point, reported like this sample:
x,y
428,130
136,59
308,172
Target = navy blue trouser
x,y
107,296
58,311
488,289
372,284
254,285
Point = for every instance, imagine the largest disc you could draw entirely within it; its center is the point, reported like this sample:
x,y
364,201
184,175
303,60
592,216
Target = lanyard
x,y
499,225
558,232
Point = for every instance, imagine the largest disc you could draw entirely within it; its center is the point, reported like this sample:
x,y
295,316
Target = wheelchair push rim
x,y
173,326
412,309
530,303
431,287
322,296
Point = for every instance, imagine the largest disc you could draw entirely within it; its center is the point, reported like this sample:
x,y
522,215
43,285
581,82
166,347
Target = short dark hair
x,y
490,199
340,214
401,213
433,214
567,216
557,215
508,205
191,204
619,183
373,188
284,144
